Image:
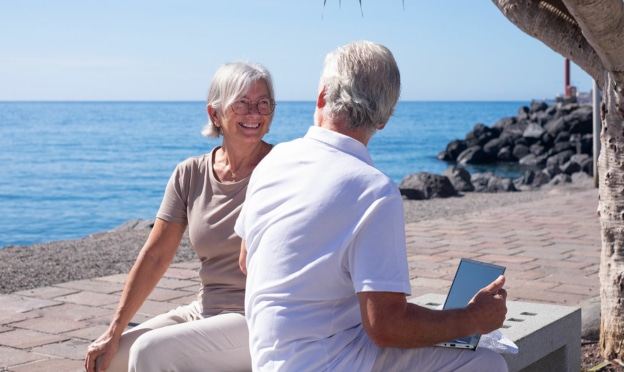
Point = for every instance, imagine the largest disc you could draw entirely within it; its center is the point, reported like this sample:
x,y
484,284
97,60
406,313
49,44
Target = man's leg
x,y
438,359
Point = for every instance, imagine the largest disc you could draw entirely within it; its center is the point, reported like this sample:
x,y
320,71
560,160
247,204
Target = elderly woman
x,y
204,193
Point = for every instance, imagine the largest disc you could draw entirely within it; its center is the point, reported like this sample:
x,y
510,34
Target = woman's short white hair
x,y
229,83
362,84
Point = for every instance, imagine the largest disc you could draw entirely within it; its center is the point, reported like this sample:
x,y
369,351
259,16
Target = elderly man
x,y
324,245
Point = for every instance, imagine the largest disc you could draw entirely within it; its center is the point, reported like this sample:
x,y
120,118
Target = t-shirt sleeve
x,y
378,258
173,207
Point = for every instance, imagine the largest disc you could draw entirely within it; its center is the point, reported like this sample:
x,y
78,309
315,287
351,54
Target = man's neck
x,y
342,127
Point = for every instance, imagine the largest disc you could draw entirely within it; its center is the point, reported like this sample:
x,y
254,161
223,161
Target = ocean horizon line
x,y
285,100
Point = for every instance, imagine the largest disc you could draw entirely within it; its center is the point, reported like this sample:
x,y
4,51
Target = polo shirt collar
x,y
341,142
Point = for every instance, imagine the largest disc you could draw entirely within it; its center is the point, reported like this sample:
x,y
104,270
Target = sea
x,y
71,169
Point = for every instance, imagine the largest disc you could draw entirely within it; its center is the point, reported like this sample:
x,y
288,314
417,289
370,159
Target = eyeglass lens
x,y
264,106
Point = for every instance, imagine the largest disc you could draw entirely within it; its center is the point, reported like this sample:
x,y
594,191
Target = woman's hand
x,y
104,347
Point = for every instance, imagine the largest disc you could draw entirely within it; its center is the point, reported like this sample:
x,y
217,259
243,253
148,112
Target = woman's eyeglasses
x,y
264,106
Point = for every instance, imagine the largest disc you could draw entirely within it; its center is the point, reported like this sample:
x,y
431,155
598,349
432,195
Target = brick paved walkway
x,y
551,249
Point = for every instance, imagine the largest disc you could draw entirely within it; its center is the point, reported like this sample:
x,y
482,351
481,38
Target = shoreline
x,y
114,252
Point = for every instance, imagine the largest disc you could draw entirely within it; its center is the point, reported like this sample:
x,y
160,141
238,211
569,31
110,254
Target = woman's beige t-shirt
x,y
193,196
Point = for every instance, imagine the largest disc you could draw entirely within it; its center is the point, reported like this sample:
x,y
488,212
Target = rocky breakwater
x,y
551,144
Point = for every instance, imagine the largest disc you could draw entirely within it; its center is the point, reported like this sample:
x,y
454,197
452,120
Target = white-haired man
x,y
324,245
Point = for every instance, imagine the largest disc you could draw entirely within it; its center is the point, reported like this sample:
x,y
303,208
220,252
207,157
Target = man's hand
x,y
488,307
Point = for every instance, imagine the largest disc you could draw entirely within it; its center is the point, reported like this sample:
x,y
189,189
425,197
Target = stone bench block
x,y
548,336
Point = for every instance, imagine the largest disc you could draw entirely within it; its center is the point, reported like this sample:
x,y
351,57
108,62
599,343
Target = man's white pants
x,y
439,359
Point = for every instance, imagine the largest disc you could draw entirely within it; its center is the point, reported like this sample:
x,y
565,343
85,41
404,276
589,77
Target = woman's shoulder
x,y
196,162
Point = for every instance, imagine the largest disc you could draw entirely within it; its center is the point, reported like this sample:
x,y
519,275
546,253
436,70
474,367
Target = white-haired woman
x,y
205,194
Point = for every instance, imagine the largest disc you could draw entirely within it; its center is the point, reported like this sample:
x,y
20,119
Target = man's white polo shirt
x,y
320,224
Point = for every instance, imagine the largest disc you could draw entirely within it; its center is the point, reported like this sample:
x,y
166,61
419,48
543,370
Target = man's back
x,y
312,243
324,244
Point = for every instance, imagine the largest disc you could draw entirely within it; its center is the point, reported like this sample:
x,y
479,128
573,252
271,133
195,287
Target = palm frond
x,y
361,9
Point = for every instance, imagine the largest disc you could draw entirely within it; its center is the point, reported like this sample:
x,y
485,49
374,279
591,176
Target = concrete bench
x,y
548,336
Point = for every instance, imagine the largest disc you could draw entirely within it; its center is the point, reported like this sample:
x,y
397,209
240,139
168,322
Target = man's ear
x,y
320,100
382,126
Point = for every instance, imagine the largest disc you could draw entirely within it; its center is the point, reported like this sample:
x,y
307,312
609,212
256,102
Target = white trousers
x,y
439,359
183,340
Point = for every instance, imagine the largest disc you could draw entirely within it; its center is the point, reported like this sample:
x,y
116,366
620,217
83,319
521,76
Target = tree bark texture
x,y
547,22
611,210
602,22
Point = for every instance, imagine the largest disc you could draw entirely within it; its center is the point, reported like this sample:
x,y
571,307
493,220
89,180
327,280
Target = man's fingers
x,y
496,285
503,293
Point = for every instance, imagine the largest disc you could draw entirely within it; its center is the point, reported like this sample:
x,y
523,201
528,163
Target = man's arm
x,y
390,321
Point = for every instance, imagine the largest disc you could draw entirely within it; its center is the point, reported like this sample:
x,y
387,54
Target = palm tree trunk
x,y
611,210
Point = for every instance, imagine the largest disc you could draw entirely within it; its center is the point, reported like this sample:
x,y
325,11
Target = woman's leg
x,y
181,314
218,343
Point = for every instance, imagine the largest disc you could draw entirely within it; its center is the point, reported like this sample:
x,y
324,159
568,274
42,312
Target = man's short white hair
x,y
362,84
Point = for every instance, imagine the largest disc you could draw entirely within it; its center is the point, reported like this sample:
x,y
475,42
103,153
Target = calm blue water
x,y
72,169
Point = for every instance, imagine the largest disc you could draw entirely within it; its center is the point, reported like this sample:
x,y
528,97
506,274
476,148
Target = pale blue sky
x,y
168,50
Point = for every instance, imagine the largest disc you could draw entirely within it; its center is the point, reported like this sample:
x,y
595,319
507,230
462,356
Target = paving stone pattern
x,y
551,249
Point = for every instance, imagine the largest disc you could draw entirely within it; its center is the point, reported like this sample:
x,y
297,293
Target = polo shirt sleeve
x,y
377,257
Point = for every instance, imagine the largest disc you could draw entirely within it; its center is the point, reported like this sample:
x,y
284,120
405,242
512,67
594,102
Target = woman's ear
x,y
212,114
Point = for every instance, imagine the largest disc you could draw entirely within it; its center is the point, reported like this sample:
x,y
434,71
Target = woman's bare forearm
x,y
149,267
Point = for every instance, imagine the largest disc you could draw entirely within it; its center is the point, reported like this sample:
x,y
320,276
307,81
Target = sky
x,y
157,50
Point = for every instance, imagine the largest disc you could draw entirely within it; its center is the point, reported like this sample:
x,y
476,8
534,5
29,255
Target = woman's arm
x,y
242,257
149,267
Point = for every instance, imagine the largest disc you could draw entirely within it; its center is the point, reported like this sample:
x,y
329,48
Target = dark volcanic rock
x,y
425,185
552,143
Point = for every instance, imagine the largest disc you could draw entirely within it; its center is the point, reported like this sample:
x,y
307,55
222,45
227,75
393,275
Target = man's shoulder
x,y
293,146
